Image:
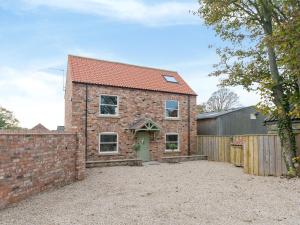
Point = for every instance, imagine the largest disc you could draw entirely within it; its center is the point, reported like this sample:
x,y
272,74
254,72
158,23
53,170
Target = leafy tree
x,y
201,108
221,100
262,55
7,119
287,41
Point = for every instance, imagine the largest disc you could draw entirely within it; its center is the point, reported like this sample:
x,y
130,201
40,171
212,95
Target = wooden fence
x,y
217,148
262,154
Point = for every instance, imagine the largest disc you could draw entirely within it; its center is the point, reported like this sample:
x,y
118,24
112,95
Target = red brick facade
x,y
133,104
34,162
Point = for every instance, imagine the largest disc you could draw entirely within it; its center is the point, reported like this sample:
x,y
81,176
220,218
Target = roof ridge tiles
x,y
125,64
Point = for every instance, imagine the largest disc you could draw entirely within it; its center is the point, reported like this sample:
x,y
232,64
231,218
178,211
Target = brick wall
x,y
68,101
133,104
34,162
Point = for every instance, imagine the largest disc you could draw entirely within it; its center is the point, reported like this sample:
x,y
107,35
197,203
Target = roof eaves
x,y
140,88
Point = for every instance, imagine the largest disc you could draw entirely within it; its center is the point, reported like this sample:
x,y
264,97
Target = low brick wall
x,y
176,159
34,162
105,163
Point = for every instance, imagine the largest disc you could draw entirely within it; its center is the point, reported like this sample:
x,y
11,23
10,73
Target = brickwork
x,y
133,104
177,159
34,162
126,162
68,102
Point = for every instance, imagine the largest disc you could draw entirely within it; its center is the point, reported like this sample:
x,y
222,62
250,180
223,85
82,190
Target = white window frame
x,y
165,111
117,109
178,140
111,152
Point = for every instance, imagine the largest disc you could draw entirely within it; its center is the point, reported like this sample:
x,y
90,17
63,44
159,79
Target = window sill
x,y
172,119
109,116
109,153
171,151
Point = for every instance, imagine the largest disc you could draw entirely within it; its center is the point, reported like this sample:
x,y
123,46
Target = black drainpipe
x,y
86,120
189,126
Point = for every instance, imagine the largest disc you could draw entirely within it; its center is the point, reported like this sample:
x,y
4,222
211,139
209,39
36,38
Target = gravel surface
x,y
198,192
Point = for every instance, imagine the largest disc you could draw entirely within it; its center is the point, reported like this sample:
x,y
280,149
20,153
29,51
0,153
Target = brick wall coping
x,y
30,132
113,160
241,135
183,156
175,159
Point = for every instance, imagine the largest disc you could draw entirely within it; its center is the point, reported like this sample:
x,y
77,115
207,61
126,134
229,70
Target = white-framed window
x,y
172,142
172,109
108,143
109,105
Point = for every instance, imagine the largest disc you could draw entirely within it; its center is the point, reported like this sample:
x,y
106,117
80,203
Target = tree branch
x,y
254,4
279,11
247,11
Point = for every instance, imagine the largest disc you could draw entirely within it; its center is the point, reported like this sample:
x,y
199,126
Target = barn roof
x,y
211,115
95,71
271,119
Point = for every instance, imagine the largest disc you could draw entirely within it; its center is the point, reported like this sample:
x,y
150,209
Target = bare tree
x,y
221,100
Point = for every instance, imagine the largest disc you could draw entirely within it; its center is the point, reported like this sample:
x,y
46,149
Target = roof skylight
x,y
170,79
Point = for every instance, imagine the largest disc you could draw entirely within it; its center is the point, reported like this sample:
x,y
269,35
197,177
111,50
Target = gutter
x,y
86,120
132,88
189,125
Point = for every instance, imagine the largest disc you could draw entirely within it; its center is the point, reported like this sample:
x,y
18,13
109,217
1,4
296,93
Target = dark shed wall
x,y
207,127
239,123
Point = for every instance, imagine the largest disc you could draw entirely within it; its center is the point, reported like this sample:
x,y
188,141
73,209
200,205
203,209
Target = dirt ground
x,y
198,192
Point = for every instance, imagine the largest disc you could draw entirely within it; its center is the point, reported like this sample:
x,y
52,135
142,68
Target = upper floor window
x,y
170,79
172,109
109,105
108,143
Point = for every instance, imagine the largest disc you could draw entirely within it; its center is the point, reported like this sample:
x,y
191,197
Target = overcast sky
x,y
37,35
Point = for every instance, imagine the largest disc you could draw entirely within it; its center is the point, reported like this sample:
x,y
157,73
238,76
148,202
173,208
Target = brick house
x,y
123,111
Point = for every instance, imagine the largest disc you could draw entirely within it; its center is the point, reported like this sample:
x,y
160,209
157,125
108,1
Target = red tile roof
x,y
39,127
94,71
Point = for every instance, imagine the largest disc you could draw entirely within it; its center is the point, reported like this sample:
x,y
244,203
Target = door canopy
x,y
144,125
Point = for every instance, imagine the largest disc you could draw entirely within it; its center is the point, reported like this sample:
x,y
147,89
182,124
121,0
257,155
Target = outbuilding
x,y
238,121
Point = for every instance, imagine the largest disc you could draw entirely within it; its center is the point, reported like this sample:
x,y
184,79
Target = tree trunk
x,y
284,124
288,140
298,83
285,130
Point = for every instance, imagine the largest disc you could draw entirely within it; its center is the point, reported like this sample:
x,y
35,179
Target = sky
x,y
36,37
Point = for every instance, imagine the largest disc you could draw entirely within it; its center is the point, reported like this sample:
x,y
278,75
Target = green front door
x,y
143,139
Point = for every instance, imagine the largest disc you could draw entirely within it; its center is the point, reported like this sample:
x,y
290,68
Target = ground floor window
x,y
172,142
108,143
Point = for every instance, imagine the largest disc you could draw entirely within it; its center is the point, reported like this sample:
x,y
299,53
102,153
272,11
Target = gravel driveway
x,y
198,192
